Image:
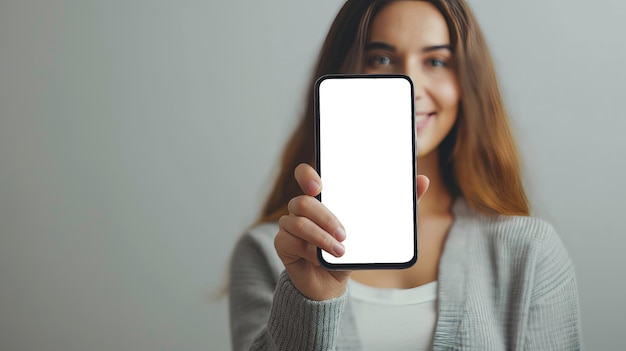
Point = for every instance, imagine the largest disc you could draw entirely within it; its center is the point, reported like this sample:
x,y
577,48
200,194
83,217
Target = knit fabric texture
x,y
505,283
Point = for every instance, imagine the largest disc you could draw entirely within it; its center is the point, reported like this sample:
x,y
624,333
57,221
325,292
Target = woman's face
x,y
411,37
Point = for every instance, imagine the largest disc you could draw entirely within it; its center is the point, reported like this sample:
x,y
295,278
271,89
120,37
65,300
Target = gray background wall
x,y
138,139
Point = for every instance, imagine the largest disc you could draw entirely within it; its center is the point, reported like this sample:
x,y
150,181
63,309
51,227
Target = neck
x,y
437,200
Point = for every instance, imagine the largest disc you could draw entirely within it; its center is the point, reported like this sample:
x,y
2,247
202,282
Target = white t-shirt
x,y
394,319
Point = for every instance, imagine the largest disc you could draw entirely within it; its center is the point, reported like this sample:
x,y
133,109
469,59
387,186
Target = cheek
x,y
447,95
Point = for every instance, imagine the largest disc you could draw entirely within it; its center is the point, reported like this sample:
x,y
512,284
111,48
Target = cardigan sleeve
x,y
266,314
554,315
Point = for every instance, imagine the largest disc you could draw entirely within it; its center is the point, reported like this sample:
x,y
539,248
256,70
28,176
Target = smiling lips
x,y
422,118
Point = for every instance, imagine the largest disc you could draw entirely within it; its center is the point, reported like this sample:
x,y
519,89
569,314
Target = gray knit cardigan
x,y
505,283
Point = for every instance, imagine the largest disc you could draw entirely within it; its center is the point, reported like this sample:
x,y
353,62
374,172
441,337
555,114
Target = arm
x,y
554,316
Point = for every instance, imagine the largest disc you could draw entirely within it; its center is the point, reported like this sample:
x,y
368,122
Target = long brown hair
x,y
478,158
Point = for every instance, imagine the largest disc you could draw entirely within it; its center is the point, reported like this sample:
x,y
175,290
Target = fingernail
x,y
340,234
339,249
313,187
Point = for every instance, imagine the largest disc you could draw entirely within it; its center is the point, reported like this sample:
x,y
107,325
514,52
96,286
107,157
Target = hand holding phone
x,y
310,230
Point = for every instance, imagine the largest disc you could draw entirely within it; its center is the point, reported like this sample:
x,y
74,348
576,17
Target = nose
x,y
413,69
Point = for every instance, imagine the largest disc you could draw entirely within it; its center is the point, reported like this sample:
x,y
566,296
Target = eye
x,y
378,60
436,62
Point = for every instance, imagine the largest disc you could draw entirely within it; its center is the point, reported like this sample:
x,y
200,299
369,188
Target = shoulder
x,y
254,251
261,235
523,232
519,231
534,239
527,244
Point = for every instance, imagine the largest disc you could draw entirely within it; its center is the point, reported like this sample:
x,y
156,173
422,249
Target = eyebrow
x,y
384,46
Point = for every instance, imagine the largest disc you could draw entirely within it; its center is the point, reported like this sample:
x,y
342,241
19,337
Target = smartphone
x,y
367,159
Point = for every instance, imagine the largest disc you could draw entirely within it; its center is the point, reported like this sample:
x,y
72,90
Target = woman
x,y
489,277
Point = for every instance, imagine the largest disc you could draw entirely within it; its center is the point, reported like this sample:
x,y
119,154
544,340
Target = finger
x,y
422,186
315,211
305,229
308,179
292,249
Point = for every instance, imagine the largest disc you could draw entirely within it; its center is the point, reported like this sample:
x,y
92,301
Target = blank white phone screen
x,y
366,161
